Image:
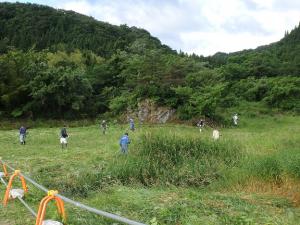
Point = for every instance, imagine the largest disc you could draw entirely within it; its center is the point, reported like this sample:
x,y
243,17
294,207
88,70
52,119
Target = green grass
x,y
172,159
161,180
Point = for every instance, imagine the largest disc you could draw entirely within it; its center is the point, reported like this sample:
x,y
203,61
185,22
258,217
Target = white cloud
x,y
199,26
82,6
221,41
265,4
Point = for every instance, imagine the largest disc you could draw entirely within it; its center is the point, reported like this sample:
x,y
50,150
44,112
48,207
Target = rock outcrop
x,y
148,111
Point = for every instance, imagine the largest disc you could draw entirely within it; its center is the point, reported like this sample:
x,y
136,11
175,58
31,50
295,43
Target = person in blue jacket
x,y
124,142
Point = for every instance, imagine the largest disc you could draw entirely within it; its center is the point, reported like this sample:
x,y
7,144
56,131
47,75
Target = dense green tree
x,y
61,64
28,25
59,92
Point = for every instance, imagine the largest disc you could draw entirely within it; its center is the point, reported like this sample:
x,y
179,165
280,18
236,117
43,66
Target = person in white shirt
x,y
235,119
216,134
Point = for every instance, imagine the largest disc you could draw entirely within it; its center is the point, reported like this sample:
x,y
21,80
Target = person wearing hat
x,y
103,126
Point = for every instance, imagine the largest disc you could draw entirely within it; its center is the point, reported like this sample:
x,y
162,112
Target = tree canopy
x,y
61,64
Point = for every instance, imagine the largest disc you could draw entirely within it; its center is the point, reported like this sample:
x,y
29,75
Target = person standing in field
x,y
235,119
22,135
200,125
63,137
104,126
131,124
124,142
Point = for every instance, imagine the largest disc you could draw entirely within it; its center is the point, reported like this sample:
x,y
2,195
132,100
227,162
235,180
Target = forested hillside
x,y
60,64
280,58
27,26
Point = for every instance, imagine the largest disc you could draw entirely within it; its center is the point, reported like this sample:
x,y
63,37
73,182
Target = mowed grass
x,y
260,187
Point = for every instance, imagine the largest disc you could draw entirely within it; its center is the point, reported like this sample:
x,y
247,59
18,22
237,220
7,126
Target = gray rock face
x,y
148,111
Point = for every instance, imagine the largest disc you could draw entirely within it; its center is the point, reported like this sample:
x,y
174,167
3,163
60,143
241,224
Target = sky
x,y
203,27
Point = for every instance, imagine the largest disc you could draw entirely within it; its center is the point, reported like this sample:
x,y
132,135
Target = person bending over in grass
x,y
216,135
63,137
23,133
124,142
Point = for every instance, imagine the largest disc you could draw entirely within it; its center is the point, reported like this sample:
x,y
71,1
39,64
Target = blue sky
x,y
203,27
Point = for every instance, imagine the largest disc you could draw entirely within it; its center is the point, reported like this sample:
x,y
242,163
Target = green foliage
x,y
120,103
71,66
28,25
284,93
61,91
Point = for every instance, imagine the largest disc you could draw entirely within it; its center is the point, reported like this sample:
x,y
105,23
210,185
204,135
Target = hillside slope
x,y
28,25
61,64
279,58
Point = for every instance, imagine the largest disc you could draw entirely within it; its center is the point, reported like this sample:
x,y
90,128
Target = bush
x,y
186,112
118,104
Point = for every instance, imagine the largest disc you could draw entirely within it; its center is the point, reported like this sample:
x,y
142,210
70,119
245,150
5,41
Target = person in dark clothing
x,y
63,137
23,133
200,124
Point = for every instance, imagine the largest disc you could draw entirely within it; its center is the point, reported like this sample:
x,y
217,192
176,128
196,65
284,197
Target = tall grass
x,y
267,168
290,161
171,159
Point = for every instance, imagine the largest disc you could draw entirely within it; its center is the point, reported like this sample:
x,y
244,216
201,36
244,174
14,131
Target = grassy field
x,y
173,174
